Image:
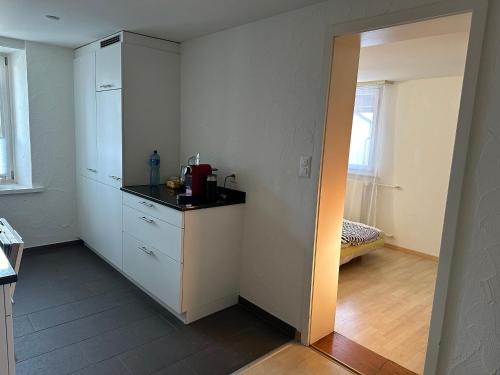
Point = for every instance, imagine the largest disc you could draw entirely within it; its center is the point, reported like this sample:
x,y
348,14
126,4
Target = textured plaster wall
x,y
252,101
50,216
471,339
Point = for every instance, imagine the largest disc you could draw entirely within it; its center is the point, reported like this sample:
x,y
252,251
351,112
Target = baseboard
x,y
50,247
412,252
277,323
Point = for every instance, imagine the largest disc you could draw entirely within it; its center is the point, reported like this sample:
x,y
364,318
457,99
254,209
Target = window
x,y
364,130
6,151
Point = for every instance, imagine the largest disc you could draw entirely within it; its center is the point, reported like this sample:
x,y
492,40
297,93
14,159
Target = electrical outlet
x,y
233,179
305,166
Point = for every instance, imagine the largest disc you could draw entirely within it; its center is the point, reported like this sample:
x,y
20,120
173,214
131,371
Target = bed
x,y
359,239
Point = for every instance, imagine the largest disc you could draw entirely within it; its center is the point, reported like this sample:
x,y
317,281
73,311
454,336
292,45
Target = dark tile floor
x,y
74,314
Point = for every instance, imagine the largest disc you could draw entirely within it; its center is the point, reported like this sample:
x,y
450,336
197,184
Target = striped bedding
x,y
354,234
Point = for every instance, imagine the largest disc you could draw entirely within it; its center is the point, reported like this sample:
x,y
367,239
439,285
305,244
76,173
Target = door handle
x,y
107,86
149,221
92,170
146,250
146,204
116,178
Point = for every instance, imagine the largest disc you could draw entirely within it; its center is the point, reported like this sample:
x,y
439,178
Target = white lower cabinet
x,y
187,260
154,271
109,214
154,231
100,218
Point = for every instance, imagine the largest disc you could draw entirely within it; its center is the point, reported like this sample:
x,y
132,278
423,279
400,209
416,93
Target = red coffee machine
x,y
199,175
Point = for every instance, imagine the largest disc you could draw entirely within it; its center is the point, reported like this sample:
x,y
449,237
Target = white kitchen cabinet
x,y
193,271
109,137
127,90
99,218
109,67
154,209
85,115
87,214
159,233
139,114
153,270
109,224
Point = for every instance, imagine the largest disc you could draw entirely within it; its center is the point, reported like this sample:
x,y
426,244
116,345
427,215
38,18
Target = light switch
x,y
305,166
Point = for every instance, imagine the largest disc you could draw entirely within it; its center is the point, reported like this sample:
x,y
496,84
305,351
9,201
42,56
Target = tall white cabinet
x,y
126,106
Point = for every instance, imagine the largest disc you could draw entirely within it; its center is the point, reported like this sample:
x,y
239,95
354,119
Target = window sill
x,y
7,189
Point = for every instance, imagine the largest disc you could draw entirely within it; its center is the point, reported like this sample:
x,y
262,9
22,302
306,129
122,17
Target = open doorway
x,y
392,162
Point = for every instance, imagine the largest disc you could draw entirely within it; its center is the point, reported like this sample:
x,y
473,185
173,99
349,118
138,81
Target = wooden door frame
x,y
478,8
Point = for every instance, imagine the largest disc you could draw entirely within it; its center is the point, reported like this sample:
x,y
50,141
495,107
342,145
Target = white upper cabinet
x,y
109,137
109,67
85,115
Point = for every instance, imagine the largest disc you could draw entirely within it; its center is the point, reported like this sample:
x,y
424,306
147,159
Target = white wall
x,y
417,128
253,101
50,216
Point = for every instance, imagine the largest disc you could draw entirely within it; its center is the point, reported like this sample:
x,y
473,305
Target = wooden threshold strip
x,y
357,357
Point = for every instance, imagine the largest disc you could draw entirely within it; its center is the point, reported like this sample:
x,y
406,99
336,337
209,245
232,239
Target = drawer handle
x,y
146,250
105,86
92,170
146,204
150,221
116,178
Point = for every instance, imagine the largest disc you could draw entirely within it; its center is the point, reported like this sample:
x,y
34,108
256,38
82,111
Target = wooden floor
x,y
358,357
295,359
384,303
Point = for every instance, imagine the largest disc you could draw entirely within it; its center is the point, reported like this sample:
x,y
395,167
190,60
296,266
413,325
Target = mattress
x,y
354,233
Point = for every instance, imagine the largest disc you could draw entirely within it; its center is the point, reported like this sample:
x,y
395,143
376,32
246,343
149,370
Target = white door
x,y
109,222
85,115
109,137
87,211
108,68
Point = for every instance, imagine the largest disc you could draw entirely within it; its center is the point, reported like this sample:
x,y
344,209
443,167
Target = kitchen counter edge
x,y
235,197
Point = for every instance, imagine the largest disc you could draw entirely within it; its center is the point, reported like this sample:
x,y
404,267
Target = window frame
x,y
369,169
6,115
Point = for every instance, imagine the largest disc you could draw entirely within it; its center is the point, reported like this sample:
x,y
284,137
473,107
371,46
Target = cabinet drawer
x,y
159,211
153,232
154,271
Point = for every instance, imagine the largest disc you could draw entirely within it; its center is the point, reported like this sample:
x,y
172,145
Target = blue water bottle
x,y
154,165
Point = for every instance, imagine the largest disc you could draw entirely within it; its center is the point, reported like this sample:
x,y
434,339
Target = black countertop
x,y
7,273
168,197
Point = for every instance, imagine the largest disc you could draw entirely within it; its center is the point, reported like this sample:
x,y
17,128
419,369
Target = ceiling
x,y
83,21
427,49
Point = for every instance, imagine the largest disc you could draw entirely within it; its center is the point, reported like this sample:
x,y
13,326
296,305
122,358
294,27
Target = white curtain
x,y
367,143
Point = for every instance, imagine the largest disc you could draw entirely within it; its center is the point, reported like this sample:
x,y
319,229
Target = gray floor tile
x,y
178,368
76,314
58,362
78,330
124,339
111,366
65,313
216,360
22,326
164,352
